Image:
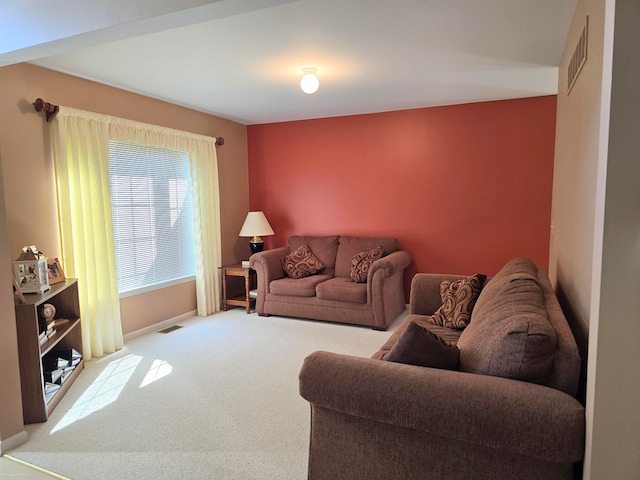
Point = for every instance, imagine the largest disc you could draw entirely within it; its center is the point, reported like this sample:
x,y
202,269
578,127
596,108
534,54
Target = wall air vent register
x,y
579,57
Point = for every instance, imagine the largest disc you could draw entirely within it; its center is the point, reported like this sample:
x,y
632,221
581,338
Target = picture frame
x,y
54,271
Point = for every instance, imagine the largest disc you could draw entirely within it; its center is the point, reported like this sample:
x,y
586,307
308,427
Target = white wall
x,y
615,443
595,244
576,170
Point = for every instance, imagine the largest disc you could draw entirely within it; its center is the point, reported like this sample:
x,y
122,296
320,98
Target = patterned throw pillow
x,y
301,263
458,300
361,263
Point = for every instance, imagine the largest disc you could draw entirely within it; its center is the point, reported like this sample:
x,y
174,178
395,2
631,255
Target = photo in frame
x,y
55,272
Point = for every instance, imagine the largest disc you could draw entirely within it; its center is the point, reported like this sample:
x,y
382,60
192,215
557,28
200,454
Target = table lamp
x,y
256,225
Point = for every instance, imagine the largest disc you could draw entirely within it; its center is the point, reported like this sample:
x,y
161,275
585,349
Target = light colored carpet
x,y
216,399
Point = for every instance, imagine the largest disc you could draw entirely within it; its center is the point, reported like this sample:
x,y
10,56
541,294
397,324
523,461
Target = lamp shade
x,y
255,225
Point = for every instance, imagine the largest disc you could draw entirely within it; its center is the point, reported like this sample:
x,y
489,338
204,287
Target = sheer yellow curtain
x,y
206,200
80,142
81,156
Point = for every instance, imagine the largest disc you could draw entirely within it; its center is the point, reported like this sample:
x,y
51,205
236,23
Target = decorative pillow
x,y
419,346
361,263
458,300
301,263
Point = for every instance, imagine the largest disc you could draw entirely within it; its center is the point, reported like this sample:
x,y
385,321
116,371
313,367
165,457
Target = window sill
x,y
156,286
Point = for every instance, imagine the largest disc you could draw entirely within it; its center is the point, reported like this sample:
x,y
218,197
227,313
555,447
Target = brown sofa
x,y
507,411
330,294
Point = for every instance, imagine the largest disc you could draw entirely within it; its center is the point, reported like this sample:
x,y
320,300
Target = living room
x,y
589,251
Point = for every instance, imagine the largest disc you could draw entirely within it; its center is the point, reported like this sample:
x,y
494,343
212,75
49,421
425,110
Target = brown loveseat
x,y
506,411
331,294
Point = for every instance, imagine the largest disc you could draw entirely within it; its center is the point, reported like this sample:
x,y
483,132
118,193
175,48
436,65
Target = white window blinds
x,y
152,214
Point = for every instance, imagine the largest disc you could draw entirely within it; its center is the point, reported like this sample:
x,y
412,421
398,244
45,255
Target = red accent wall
x,y
464,188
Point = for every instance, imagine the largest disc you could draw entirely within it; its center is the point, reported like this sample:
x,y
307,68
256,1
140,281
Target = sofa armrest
x,y
424,298
385,287
498,413
389,265
268,267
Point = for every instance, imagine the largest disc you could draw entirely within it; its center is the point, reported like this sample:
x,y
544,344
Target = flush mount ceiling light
x,y
309,82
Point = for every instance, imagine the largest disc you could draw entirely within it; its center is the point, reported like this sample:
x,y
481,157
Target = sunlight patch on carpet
x,y
159,369
103,391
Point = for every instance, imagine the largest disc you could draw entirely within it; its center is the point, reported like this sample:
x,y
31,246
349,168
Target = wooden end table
x,y
249,275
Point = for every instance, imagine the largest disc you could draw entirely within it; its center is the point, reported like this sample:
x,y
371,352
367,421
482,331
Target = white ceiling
x,y
242,59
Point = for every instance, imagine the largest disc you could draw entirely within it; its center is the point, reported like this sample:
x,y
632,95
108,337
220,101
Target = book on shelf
x,y
43,337
61,373
60,359
50,390
245,263
53,362
51,387
51,326
75,355
53,376
66,372
69,354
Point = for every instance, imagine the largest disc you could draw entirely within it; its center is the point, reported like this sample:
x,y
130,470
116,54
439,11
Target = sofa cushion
x,y
361,263
342,290
510,336
419,346
301,287
325,248
458,299
350,246
301,263
517,268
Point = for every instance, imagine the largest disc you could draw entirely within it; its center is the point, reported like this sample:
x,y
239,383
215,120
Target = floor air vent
x,y
579,57
170,329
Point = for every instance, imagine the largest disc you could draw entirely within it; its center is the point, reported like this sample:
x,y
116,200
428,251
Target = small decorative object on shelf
x,y
56,275
30,270
48,312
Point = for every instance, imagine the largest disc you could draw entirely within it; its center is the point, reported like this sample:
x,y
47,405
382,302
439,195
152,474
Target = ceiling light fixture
x,y
309,82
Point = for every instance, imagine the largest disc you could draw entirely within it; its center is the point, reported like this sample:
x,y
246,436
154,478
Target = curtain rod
x,y
51,111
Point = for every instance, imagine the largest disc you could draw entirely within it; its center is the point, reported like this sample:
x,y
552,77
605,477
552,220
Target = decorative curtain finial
x,y
50,109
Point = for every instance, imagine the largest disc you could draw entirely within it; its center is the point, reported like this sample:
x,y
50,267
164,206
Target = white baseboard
x,y
159,326
13,442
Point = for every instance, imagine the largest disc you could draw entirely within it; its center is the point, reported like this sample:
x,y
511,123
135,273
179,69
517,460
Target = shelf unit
x,y
63,296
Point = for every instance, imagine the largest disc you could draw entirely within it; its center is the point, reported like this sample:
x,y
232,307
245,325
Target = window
x,y
152,215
